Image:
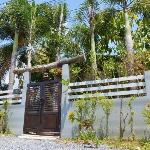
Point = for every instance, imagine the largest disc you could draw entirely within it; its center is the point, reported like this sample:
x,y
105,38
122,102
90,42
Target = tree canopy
x,y
108,36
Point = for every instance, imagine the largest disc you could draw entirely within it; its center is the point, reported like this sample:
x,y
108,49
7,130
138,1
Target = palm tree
x,y
14,24
5,58
91,9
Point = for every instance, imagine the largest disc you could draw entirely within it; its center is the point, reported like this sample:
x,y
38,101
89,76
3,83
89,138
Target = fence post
x,y
25,83
16,117
24,92
66,127
147,82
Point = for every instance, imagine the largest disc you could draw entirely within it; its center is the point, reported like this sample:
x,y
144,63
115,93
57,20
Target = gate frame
x,y
40,129
64,63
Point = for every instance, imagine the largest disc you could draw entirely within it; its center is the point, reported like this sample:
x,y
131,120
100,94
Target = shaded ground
x,y
15,143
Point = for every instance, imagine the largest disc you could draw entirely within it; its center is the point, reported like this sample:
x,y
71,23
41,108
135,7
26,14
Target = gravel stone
x,y
15,143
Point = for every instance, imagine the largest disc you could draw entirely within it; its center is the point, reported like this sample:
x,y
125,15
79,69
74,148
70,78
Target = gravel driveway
x,y
15,143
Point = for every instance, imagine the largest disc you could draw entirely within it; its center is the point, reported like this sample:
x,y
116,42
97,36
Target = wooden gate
x,y
42,111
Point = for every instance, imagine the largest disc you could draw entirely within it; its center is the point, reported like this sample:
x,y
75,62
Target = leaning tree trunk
x,y
129,44
92,34
13,60
42,68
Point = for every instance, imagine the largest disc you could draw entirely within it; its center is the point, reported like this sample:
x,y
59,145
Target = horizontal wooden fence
x,y
14,96
116,89
112,88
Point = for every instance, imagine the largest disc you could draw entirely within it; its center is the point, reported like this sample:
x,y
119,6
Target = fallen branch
x,y
40,68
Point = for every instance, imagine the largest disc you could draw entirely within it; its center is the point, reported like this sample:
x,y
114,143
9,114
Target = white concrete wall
x,y
66,106
139,124
68,129
16,118
16,111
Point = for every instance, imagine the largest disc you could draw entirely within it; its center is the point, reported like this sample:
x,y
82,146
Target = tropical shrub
x,y
4,129
106,105
146,114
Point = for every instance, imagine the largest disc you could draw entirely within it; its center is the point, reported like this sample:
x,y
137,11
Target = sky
x,y
73,4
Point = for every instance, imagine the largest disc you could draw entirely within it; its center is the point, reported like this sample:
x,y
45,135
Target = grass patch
x,y
115,143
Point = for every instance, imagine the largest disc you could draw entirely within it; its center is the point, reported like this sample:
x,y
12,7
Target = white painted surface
x,y
109,87
121,79
119,93
11,96
118,87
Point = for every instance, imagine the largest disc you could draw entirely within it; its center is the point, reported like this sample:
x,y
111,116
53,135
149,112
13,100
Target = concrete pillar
x,y
16,119
66,105
147,82
26,82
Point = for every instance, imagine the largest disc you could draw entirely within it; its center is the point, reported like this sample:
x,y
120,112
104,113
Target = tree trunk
x,y
129,43
40,68
58,57
58,54
93,54
93,51
32,27
29,57
0,83
29,51
13,60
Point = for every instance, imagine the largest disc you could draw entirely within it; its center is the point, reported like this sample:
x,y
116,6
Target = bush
x,y
84,113
4,129
87,135
146,114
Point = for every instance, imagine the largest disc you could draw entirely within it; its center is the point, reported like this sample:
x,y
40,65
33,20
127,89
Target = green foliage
x,y
14,15
84,113
146,114
88,136
127,144
4,129
146,146
65,82
131,116
106,105
5,54
109,34
71,116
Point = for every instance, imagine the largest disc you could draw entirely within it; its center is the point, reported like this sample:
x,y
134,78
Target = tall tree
x,y
125,5
50,29
13,60
61,19
32,25
92,12
86,15
14,19
5,58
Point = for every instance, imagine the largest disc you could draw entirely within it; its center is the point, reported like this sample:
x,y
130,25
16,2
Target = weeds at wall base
x,y
124,144
4,128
